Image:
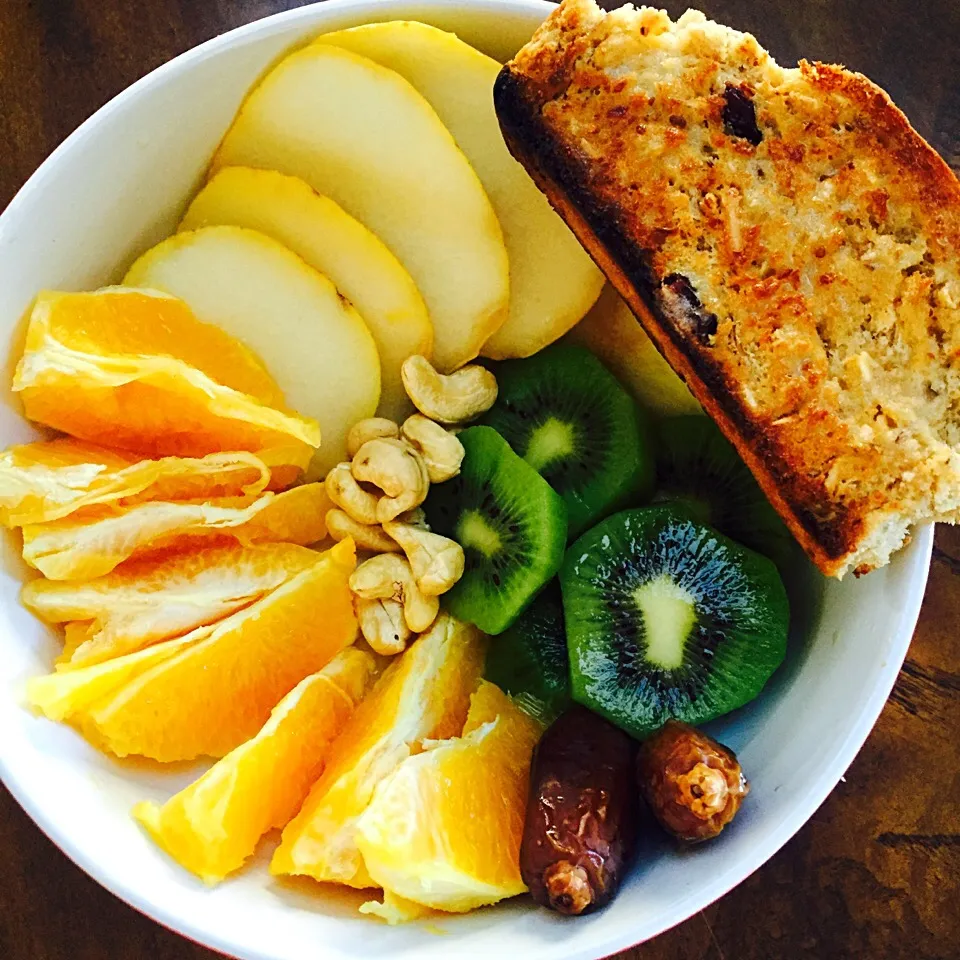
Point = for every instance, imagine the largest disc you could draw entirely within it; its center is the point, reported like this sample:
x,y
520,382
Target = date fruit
x,y
693,785
581,818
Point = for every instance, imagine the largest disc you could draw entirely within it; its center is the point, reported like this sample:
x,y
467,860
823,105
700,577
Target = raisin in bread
x,y
786,238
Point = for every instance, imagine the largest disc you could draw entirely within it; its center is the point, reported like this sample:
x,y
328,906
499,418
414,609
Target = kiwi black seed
x,y
511,524
529,660
668,619
570,419
698,466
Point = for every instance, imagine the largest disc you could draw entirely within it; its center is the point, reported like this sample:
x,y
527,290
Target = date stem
x,y
568,888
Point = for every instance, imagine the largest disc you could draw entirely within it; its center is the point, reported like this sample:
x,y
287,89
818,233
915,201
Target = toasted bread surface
x,y
786,238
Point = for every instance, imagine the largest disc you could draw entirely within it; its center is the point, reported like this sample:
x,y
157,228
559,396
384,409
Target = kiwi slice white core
x,y
669,613
552,440
474,531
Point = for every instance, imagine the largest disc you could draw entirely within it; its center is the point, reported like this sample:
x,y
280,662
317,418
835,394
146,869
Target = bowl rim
x,y
802,808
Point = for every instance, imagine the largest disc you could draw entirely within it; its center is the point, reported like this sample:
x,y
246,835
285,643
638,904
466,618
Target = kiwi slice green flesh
x,y
668,619
698,466
529,660
511,524
573,422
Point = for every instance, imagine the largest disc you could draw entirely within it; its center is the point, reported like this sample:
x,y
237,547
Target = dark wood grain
x,y
876,872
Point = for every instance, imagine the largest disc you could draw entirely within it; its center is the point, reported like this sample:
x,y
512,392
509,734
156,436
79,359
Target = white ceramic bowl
x,y
115,187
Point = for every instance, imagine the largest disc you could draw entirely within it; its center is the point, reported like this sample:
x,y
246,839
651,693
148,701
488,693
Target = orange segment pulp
x,y
64,695
75,633
94,542
136,369
52,479
118,321
395,909
213,826
444,829
211,696
146,601
287,462
489,702
422,695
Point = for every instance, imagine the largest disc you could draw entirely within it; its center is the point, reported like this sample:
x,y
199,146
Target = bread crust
x,y
838,533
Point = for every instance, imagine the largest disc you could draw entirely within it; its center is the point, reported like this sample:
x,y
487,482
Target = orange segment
x,y
212,696
396,909
489,702
124,321
94,542
146,601
137,370
214,825
298,515
444,829
75,634
287,462
424,694
49,480
62,696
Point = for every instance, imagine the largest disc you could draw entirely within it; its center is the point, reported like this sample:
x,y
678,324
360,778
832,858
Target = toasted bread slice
x,y
787,240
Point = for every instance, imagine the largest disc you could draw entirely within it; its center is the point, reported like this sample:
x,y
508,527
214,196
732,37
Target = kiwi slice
x,y
529,660
570,419
668,619
511,524
698,466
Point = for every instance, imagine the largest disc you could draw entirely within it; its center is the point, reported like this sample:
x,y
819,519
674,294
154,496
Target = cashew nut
x,y
389,577
398,470
419,610
437,562
455,398
442,452
372,428
382,625
381,576
415,517
341,525
343,489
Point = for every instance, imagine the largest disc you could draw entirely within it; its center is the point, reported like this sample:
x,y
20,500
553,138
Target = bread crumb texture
x,y
815,233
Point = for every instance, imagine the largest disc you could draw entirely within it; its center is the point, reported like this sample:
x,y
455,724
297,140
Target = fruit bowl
x,y
117,186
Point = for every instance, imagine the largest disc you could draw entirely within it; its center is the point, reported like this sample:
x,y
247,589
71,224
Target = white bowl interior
x,y
112,189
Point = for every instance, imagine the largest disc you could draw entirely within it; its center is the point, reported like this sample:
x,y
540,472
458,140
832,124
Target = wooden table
x,y
876,872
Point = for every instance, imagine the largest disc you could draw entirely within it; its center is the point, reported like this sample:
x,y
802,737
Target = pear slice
x,y
331,241
553,281
363,136
314,344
